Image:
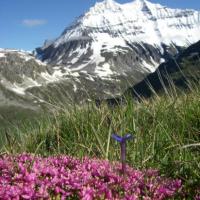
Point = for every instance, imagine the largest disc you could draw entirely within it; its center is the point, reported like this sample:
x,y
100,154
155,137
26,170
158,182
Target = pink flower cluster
x,y
32,177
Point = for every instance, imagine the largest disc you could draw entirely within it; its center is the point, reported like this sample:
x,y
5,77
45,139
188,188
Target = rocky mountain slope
x,y
180,72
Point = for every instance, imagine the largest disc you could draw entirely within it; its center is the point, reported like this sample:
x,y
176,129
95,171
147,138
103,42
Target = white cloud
x,y
33,22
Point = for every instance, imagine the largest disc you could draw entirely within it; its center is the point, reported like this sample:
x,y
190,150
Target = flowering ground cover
x,y
62,177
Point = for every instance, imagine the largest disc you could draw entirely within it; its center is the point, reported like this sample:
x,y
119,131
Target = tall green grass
x,y
166,129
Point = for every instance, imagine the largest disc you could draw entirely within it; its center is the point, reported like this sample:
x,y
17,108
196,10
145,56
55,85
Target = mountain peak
x,y
109,24
144,3
105,5
141,1
113,6
109,1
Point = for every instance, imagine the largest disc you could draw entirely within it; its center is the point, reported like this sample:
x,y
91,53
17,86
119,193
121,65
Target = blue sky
x,y
25,24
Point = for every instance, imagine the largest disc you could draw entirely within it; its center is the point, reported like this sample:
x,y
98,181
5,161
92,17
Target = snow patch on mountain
x,y
2,55
104,71
20,88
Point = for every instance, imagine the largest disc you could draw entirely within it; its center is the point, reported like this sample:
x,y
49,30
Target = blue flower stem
x,y
123,156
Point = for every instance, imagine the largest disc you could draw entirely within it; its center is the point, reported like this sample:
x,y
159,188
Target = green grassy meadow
x,y
166,131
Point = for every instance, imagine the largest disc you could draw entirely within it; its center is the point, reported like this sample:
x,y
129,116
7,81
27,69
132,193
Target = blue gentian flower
x,y
122,141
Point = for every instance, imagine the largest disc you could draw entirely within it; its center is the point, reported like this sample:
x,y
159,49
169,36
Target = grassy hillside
x,y
166,130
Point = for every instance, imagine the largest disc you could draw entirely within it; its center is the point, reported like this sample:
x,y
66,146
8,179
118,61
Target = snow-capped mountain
x,y
131,39
106,50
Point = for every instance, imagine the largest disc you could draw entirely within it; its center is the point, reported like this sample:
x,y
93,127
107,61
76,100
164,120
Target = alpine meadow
x,y
108,110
